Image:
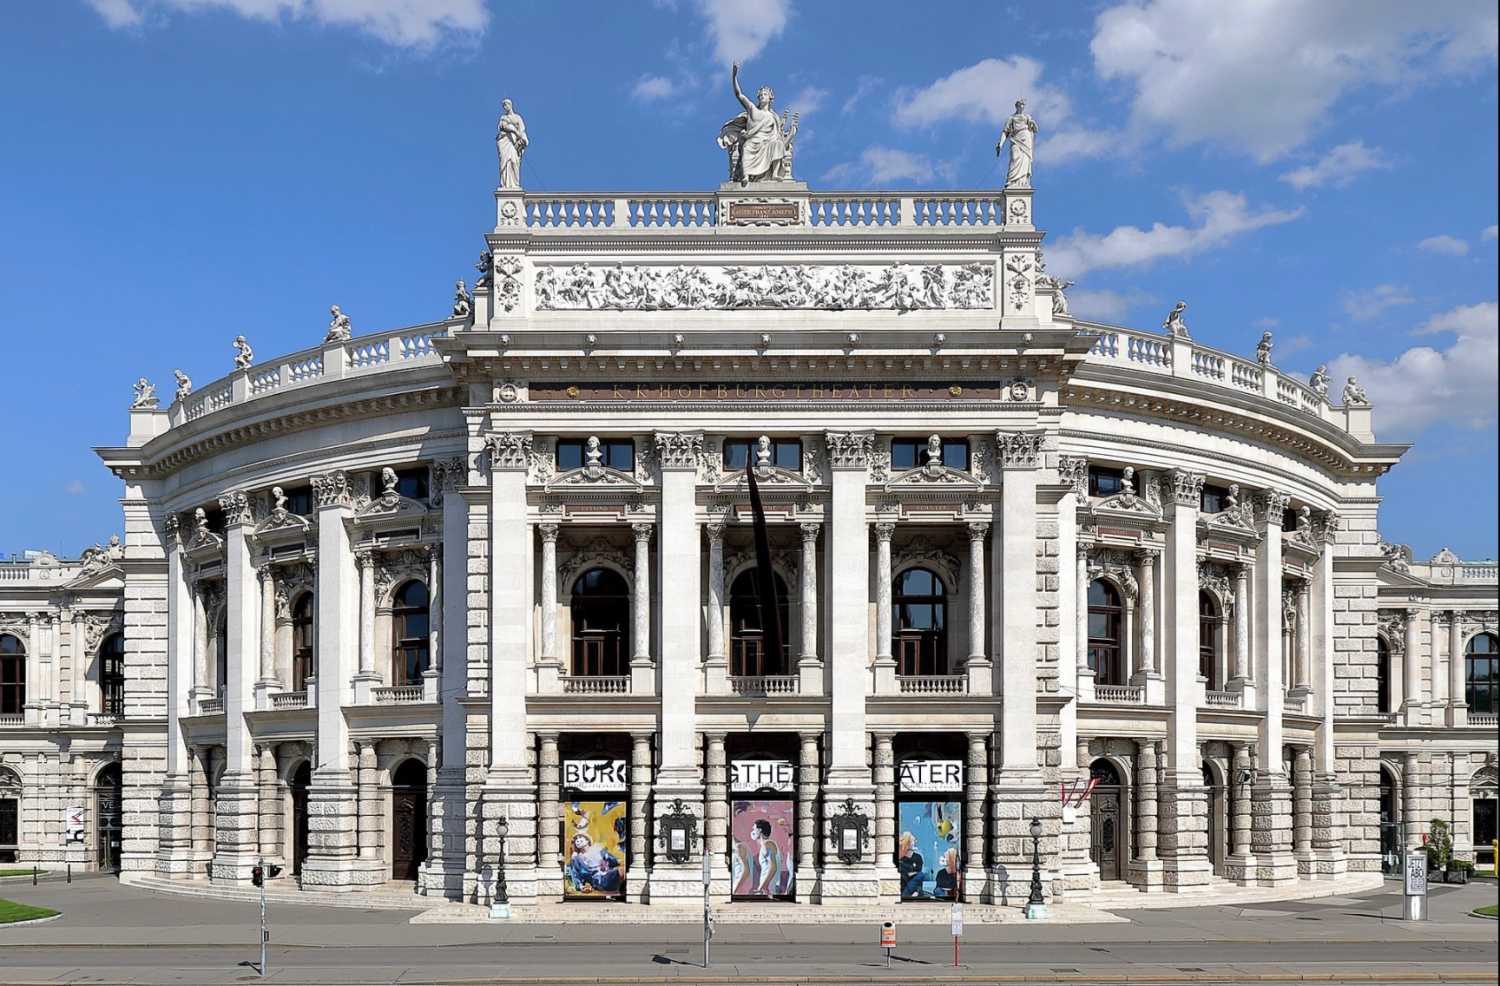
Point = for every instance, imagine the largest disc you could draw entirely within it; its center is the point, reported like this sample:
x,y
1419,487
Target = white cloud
x,y
741,28
649,88
808,101
1424,385
1292,345
1362,306
1072,144
1104,305
1261,77
1489,233
1445,244
74,487
1218,217
402,23
880,165
1338,167
866,85
984,92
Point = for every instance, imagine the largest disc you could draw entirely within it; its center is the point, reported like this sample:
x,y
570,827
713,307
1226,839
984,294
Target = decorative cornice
x,y
1018,449
677,450
508,451
849,449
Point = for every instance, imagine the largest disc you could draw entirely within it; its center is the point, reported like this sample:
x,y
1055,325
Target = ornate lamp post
x,y
500,903
1036,906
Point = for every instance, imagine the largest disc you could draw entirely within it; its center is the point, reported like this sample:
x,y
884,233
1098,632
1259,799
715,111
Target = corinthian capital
x,y
332,489
849,449
447,476
1187,487
508,450
1018,449
678,449
1074,470
1270,506
237,508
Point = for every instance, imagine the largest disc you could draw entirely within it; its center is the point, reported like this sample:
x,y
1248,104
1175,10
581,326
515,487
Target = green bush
x,y
1461,864
1439,844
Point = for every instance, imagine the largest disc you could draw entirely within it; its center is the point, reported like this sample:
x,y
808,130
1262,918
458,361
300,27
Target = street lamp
x,y
1036,907
500,903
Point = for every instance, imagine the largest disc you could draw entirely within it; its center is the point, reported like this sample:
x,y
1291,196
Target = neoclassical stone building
x,y
413,604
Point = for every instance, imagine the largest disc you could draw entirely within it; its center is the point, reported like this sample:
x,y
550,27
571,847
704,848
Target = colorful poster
x,y
929,850
594,841
764,833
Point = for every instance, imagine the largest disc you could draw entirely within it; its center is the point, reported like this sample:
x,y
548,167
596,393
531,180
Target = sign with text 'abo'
x,y
603,775
749,776
931,776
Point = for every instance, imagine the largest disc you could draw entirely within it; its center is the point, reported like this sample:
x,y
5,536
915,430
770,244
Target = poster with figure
x,y
594,840
929,850
764,834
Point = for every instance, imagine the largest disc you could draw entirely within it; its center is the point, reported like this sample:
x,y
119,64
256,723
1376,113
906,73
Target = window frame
x,y
920,651
412,482
404,643
304,641
1213,499
112,679
791,461
1491,682
1110,647
901,445
608,449
1210,626
748,657
605,651
1106,480
13,684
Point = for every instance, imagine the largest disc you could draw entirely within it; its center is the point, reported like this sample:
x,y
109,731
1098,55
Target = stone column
x,y
680,558
1146,568
1240,681
1413,667
1412,825
1270,837
235,843
885,661
715,665
201,688
200,834
548,534
807,819
716,810
447,852
366,680
267,577
885,815
1239,791
976,783
434,673
848,774
809,667
508,786
978,666
78,648
1085,673
174,846
430,877
270,804
639,865
1145,869
642,670
1458,698
1081,871
1301,679
1302,811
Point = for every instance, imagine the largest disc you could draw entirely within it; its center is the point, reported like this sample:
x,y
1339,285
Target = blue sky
x,y
181,171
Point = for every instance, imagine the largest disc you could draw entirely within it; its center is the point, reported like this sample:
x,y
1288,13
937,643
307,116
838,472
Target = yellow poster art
x,y
594,840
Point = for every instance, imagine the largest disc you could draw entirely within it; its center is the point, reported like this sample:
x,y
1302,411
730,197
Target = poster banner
x,y
750,776
929,851
594,838
931,776
764,833
597,776
73,827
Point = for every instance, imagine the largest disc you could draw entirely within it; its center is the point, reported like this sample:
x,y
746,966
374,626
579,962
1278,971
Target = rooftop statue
x,y
340,329
510,143
1174,324
1354,394
145,396
1021,129
243,354
1319,381
463,306
1263,349
184,384
758,141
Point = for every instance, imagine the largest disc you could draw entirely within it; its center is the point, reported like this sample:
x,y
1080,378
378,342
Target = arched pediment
x,y
933,476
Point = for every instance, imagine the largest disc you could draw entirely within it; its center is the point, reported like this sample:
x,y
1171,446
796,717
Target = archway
x,y
1106,847
1390,822
301,778
107,812
1216,819
408,820
10,815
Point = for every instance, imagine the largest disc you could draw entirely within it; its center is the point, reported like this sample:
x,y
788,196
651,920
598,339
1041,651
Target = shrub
x,y
1439,844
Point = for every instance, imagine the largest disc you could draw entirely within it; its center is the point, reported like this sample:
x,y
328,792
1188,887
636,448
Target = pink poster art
x,y
764,834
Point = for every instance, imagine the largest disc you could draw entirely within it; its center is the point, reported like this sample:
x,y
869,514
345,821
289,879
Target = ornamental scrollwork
x,y
678,449
849,449
1117,567
1018,267
1270,506
1187,487
1213,580
1018,449
1074,471
508,450
238,508
333,489
447,476
507,283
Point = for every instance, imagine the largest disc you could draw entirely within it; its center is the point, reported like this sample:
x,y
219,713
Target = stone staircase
x,y
285,891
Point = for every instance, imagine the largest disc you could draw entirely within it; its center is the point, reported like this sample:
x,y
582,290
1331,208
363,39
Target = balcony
x,y
102,719
1222,700
1295,702
210,706
397,694
932,684
613,684
1487,719
289,700
760,685
1120,694
12,719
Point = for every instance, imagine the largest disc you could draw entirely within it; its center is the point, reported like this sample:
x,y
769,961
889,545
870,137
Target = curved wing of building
x,y
476,598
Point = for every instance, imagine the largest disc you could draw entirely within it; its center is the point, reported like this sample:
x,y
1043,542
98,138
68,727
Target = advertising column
x,y
929,819
595,827
762,830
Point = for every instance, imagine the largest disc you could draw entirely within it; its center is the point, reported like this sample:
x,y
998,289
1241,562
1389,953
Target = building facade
x,y
478,596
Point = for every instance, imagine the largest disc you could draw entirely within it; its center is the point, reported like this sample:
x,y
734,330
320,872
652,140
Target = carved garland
x,y
397,568
1119,568
594,554
1214,580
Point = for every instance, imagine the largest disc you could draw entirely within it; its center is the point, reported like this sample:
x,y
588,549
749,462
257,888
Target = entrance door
x,y
1105,847
408,818
108,814
300,780
10,829
1215,821
1484,829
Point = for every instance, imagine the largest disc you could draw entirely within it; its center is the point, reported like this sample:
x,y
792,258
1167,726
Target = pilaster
x,y
235,845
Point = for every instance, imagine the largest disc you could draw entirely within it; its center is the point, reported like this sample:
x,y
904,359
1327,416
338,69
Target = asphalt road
x,y
115,934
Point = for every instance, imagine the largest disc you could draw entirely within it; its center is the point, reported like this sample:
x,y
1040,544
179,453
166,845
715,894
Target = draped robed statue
x,y
758,141
1020,129
510,143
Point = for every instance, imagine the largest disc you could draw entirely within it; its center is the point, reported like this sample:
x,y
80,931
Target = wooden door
x,y
300,781
1216,830
408,835
1105,847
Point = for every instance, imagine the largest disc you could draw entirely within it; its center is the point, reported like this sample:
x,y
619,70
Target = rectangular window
x,y
909,453
786,453
412,483
299,500
1104,481
616,453
1213,500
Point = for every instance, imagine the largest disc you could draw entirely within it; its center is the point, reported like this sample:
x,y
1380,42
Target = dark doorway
x,y
300,780
408,820
1104,822
108,812
1215,820
1390,827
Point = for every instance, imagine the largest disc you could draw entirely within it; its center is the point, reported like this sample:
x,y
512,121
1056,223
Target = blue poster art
x,y
929,850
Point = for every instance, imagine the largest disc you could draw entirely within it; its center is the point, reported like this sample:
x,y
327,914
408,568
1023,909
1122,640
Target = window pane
x,y
1212,500
621,456
956,454
569,455
736,454
1105,482
789,455
412,483
904,453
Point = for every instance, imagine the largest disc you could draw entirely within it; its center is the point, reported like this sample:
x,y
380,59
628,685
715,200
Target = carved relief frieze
x,y
1270,507
826,287
1187,487
333,489
446,475
1217,582
1074,471
507,283
238,507
852,450
1019,271
396,568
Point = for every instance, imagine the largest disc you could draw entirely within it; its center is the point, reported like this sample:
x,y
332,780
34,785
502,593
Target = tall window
x,y
1382,675
1213,499
1482,663
412,483
1106,633
304,648
909,453
221,653
919,612
786,453
601,620
409,638
299,500
747,630
616,453
12,675
112,675
1208,639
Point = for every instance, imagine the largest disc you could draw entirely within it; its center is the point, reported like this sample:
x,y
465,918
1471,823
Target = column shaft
x,y
267,623
977,535
549,797
640,608
1145,800
366,562
549,592
883,532
809,592
1301,677
716,779
716,592
1148,612
1239,790
807,814
1242,623
1082,631
1413,658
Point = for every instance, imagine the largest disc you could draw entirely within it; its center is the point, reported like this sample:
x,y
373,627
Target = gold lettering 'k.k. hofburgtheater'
x,y
470,607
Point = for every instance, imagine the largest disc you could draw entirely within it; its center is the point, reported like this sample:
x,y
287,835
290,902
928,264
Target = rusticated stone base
x,y
1271,831
510,796
236,846
1014,802
333,861
1182,821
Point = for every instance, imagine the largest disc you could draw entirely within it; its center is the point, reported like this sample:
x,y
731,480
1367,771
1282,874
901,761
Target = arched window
x,y
409,640
12,675
747,631
601,617
1482,666
1106,633
108,815
112,675
919,612
1209,622
304,642
1382,675
221,653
